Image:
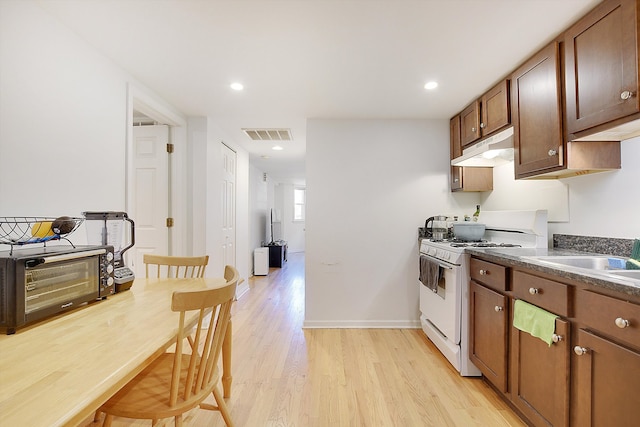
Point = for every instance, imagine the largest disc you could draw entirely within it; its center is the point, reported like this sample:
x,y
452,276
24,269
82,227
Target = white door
x,y
150,187
228,205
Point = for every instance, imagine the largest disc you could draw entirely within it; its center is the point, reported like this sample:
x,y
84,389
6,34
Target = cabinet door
x,y
494,107
470,123
601,65
456,151
537,114
488,336
540,376
606,384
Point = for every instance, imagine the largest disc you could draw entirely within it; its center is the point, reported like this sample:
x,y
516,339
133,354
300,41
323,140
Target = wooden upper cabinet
x,y
456,151
486,115
495,108
470,123
536,99
469,178
601,65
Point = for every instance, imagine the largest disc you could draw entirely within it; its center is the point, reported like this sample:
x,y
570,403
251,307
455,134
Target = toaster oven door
x,y
51,287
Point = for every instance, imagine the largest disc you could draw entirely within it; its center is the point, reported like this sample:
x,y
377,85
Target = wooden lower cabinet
x,y
606,383
540,376
489,334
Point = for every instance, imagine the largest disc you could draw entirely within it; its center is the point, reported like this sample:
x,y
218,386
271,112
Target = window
x,y
299,197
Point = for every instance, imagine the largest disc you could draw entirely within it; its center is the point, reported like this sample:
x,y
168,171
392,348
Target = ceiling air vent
x,y
268,134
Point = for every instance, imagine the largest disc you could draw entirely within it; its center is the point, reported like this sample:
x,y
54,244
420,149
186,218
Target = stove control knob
x,y
446,255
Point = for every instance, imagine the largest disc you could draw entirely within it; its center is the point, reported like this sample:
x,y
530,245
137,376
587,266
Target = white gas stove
x,y
444,279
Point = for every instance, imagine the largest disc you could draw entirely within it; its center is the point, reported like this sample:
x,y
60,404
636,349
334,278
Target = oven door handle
x,y
441,263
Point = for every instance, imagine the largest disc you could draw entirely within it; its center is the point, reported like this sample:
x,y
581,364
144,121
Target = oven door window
x,y
52,284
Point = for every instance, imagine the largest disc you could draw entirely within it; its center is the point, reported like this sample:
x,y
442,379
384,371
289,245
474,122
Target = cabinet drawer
x,y
614,317
546,294
492,275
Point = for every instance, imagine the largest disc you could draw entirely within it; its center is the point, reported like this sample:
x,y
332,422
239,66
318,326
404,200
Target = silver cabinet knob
x,y
556,338
473,129
483,272
498,309
456,180
627,94
552,153
580,350
533,291
622,323
482,126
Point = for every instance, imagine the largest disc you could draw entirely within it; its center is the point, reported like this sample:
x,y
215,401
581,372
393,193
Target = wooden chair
x,y
178,382
176,266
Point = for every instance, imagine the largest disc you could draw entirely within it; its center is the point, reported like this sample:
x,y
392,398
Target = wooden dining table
x,y
59,371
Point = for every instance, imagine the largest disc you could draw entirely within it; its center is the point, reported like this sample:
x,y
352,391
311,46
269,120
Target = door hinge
x,y
169,148
169,222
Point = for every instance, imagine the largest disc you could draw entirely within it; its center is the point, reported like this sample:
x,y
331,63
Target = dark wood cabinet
x,y
606,374
540,376
540,373
470,123
541,149
486,115
465,178
607,383
494,107
536,99
489,333
601,66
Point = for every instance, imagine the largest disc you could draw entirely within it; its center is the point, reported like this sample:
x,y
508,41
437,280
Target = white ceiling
x,y
301,59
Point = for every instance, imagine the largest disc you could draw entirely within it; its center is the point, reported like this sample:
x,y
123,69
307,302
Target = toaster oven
x,y
38,283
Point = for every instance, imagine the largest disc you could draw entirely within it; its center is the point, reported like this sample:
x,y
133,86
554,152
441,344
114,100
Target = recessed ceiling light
x,y
236,86
277,148
431,85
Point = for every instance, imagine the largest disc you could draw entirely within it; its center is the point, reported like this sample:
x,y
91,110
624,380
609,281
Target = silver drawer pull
x,y
484,272
533,291
622,323
627,94
556,338
498,309
580,350
552,153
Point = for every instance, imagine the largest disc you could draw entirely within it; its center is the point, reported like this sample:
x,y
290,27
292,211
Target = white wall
x,y
604,204
63,133
386,177
62,120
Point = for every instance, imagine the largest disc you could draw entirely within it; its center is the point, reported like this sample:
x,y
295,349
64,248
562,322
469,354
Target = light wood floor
x,y
284,375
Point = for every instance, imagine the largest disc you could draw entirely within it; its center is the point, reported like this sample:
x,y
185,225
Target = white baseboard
x,y
361,324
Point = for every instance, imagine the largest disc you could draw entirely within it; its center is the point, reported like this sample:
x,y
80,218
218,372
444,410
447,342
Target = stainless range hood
x,y
492,151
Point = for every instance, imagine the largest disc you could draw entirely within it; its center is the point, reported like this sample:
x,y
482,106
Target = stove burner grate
x,y
483,244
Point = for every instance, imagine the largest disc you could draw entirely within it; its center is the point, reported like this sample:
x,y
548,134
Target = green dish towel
x,y
534,320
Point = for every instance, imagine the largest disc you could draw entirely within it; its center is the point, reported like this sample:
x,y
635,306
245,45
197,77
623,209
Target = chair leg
x,y
107,420
179,420
222,407
96,416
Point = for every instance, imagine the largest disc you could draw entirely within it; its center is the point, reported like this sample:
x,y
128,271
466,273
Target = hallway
x,y
284,375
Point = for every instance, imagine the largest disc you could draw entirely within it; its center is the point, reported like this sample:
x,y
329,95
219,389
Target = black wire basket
x,y
24,230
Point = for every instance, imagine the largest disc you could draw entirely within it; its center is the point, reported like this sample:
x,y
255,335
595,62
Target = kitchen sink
x,y
588,262
630,274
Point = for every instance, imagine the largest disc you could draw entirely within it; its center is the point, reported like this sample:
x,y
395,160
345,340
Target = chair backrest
x,y
176,266
200,377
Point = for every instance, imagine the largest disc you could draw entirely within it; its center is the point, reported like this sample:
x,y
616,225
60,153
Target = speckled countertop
x,y
520,257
